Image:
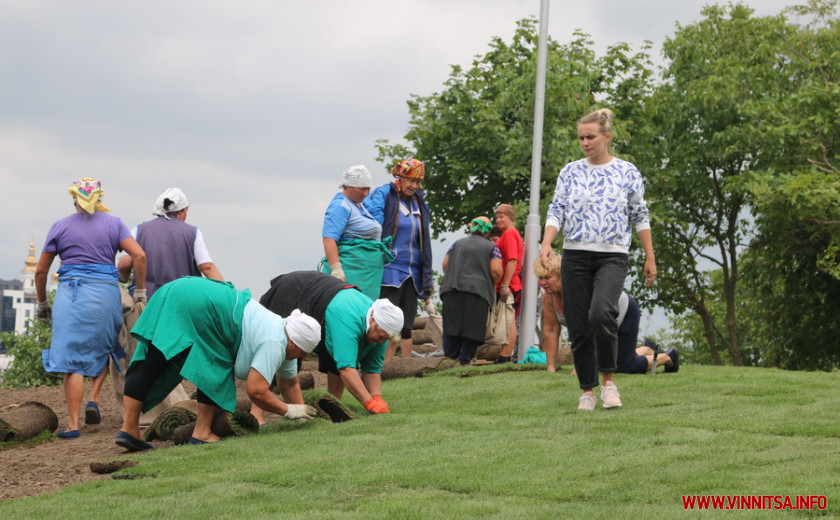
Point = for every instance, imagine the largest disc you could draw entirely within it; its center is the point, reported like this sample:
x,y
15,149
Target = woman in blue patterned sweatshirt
x,y
595,202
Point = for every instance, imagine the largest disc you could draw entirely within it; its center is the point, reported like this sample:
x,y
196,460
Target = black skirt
x,y
465,315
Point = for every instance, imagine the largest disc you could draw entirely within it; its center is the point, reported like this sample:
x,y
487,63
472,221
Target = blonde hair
x,y
603,118
552,266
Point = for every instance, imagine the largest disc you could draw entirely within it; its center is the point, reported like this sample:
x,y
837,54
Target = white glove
x,y
139,295
43,312
300,411
338,271
431,308
504,292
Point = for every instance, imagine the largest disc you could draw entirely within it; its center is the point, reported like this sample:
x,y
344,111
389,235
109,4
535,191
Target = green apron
x,y
363,262
204,316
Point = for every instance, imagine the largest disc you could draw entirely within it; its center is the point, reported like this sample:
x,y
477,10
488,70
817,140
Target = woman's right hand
x,y
545,253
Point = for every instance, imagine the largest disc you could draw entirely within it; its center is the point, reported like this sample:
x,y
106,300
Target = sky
x,y
252,108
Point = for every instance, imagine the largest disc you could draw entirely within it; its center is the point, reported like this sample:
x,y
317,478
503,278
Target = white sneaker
x,y
587,402
610,397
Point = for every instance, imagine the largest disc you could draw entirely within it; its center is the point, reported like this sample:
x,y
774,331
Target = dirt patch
x,y
48,466
40,468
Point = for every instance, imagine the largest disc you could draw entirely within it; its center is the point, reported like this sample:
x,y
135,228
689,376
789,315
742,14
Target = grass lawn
x,y
505,445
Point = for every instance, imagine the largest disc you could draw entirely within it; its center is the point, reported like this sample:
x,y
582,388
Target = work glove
x,y
504,292
377,405
338,271
139,296
379,398
43,312
431,308
302,412
124,278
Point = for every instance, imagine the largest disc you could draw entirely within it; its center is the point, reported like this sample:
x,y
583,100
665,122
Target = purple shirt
x,y
86,239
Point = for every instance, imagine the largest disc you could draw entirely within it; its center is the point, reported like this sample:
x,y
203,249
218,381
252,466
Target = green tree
x,y
717,114
737,141
475,136
796,255
27,369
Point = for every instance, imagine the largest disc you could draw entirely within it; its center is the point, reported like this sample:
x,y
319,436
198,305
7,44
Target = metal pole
x,y
528,321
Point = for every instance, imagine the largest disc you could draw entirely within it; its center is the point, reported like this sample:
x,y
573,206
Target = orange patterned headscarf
x,y
410,169
87,192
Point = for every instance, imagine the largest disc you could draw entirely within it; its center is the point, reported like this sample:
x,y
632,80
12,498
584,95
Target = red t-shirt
x,y
510,244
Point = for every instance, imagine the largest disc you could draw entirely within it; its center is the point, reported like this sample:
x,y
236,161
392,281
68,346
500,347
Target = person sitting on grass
x,y
207,332
631,360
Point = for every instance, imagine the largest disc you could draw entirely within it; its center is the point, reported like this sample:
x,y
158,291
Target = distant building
x,y
18,298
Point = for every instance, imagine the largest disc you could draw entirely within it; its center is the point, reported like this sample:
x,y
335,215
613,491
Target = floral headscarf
x,y
87,192
410,169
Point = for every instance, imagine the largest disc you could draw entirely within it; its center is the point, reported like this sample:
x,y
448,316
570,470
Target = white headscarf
x,y
357,177
172,200
388,316
303,330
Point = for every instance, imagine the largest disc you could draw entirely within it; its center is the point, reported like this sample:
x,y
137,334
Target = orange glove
x,y
377,405
379,398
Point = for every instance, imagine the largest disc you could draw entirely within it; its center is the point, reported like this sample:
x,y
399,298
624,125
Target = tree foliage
x,y
717,121
737,140
475,136
27,369
795,259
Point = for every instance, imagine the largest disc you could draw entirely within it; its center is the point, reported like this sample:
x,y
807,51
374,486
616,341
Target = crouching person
x,y
209,333
355,331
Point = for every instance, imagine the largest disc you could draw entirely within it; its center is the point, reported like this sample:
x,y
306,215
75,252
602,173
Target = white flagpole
x,y
528,322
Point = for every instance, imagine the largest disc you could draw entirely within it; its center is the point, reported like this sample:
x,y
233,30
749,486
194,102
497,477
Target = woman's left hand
x,y
650,271
301,412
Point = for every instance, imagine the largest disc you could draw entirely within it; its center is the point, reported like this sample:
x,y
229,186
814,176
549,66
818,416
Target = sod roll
x,y
168,421
420,337
182,434
236,424
332,410
26,421
413,367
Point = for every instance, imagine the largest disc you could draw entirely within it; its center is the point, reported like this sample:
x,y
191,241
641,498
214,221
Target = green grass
x,y
507,445
44,436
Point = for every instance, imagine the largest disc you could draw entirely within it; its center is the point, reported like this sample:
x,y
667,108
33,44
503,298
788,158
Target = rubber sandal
x,y
197,442
92,415
131,443
72,434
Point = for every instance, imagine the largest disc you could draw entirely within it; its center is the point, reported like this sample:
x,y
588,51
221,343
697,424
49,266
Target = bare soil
x,y
30,470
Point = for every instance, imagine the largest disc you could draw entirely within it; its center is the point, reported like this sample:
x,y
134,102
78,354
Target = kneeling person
x,y
209,333
630,359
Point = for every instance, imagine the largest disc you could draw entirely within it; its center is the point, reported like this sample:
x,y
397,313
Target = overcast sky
x,y
252,108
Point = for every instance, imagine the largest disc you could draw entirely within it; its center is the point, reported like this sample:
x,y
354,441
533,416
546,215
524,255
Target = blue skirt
x,y
87,316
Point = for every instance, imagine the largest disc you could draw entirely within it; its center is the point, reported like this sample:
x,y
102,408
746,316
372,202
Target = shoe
x,y
610,397
587,402
131,443
195,441
501,360
674,354
71,434
92,415
649,343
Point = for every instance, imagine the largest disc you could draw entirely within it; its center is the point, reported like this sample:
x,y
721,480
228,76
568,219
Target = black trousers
x,y
144,374
592,284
